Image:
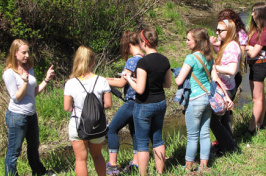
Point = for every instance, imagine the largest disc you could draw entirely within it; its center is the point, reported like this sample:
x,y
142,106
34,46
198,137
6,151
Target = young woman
x,y
198,112
227,65
153,74
74,95
129,45
21,117
242,38
256,50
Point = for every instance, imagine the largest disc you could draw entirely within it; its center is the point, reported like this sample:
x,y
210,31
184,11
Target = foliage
x,y
55,29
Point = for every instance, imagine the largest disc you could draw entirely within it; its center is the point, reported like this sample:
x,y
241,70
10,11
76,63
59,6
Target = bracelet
x,y
46,81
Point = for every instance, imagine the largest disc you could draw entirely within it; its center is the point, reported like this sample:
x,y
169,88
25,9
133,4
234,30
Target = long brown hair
x,y
128,37
260,23
230,36
202,41
11,61
84,60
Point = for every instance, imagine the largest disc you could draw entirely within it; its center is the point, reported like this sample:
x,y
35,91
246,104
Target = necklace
x,y
139,54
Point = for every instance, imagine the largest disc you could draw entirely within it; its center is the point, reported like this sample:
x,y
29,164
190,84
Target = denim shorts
x,y
148,121
257,72
73,134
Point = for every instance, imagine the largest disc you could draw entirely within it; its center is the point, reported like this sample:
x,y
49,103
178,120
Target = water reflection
x,y
174,123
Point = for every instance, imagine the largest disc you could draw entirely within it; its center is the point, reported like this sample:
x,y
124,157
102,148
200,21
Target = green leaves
x,y
55,29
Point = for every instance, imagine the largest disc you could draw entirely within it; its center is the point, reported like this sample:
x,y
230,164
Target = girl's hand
x,y
127,76
214,42
248,47
230,103
50,73
134,79
213,39
25,77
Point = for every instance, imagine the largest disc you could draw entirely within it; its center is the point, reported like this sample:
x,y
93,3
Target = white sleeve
x,y
68,88
10,81
106,87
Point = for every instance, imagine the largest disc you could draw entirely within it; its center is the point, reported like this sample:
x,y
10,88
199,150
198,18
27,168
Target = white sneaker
x,y
50,173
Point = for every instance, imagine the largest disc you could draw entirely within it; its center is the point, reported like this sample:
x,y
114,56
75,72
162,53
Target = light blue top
x,y
200,73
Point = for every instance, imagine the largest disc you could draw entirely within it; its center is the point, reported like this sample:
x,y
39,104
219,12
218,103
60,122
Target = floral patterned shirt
x,y
232,54
131,65
243,37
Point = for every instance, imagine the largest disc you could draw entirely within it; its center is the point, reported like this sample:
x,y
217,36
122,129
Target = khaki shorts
x,y
73,134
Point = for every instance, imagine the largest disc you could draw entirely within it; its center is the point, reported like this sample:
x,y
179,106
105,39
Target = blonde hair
x,y
230,36
11,61
84,60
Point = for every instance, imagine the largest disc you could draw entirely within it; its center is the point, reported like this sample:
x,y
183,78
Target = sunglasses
x,y
220,30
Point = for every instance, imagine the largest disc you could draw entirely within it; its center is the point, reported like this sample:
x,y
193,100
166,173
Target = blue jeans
x,y
123,116
198,115
148,120
19,127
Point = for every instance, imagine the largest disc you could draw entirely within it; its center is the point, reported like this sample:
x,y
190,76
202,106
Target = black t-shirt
x,y
156,65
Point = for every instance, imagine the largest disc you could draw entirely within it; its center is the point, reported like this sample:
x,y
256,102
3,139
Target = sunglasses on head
x,y
220,30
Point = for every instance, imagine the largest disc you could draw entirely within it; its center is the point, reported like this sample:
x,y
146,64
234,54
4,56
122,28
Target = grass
x,y
60,158
251,161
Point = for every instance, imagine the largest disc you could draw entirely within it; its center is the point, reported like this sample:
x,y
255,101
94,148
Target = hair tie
x,y
226,22
145,40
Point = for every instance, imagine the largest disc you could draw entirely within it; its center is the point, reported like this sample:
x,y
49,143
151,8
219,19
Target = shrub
x,y
55,29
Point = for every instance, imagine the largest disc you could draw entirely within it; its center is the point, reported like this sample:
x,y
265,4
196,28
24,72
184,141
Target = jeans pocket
x,y
15,119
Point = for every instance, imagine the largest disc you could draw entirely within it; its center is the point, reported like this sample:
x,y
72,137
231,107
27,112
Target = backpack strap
x,y
93,85
207,72
204,66
199,83
85,90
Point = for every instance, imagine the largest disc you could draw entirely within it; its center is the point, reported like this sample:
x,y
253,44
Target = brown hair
x,y
84,60
228,14
260,15
202,41
128,37
230,36
11,61
150,35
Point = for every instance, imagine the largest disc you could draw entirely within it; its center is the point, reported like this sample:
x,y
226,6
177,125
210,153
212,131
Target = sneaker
x,y
112,170
186,169
203,170
216,153
50,173
248,132
46,173
131,168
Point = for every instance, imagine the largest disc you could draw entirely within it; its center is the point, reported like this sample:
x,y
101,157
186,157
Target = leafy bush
x,y
55,29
